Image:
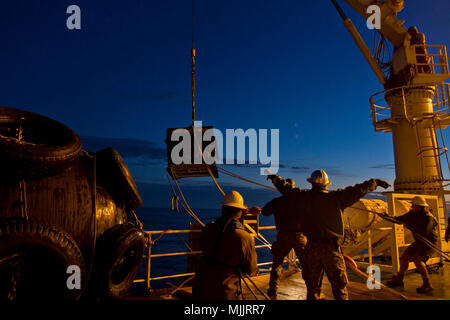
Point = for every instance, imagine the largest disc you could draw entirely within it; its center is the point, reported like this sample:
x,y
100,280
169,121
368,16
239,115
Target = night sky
x,y
124,78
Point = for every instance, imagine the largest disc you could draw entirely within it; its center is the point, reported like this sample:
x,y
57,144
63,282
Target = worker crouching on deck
x,y
322,222
289,235
423,226
228,249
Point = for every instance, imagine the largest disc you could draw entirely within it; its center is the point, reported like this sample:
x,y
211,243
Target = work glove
x,y
271,177
383,214
382,183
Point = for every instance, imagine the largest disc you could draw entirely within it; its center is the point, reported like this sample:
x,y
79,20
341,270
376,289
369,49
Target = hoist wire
x,y
186,205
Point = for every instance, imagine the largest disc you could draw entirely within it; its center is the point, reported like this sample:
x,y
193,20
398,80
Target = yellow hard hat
x,y
233,199
419,201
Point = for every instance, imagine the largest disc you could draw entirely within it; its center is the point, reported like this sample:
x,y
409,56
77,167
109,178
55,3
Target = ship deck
x,y
292,287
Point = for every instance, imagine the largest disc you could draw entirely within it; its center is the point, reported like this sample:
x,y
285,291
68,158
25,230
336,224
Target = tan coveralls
x,y
224,254
321,212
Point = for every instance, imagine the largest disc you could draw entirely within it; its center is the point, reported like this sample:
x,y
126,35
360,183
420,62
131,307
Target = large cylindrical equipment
x,y
417,166
360,218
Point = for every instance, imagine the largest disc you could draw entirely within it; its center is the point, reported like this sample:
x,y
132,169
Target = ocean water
x,y
165,219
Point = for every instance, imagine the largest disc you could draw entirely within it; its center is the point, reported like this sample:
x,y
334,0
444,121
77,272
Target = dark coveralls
x,y
322,222
424,224
287,222
227,248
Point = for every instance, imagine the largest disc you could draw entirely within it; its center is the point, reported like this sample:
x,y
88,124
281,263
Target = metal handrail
x,y
149,255
442,55
440,103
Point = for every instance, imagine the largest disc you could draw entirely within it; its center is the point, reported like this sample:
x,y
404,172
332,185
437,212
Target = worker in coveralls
x,y
228,249
418,39
289,235
322,222
423,224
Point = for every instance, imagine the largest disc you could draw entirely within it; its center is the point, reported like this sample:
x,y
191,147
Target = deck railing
x,y
381,112
149,256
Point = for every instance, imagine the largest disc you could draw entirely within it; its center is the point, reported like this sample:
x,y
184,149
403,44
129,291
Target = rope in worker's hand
x,y
419,236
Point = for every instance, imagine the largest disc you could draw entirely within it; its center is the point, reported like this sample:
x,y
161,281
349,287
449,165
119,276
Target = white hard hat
x,y
419,201
233,199
319,177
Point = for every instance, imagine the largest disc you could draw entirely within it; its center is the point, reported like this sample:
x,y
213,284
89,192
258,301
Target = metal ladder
x,y
442,97
441,103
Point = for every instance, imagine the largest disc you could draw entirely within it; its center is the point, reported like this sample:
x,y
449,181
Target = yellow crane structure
x,y
414,106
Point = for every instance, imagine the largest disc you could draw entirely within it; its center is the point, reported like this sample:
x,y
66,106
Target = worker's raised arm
x,y
282,185
352,194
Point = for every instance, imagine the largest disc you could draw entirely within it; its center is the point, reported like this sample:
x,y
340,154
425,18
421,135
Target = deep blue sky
x,y
125,77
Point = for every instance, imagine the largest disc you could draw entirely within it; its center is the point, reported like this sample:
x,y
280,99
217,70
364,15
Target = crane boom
x,y
391,27
411,63
361,44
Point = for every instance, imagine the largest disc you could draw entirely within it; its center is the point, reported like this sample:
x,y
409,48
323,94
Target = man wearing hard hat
x,y
320,212
289,235
228,249
423,225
